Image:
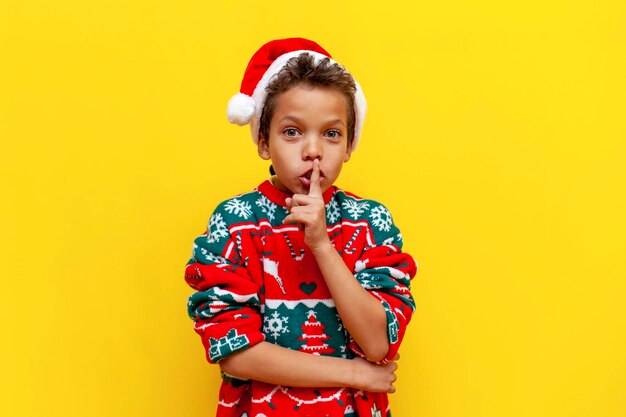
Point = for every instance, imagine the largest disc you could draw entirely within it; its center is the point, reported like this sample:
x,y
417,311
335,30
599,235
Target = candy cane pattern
x,y
293,253
240,249
351,241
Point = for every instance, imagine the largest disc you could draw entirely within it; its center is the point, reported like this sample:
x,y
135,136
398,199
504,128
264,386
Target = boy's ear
x,y
263,148
346,157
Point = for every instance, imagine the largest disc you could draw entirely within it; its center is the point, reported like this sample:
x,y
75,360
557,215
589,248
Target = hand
x,y
375,378
309,212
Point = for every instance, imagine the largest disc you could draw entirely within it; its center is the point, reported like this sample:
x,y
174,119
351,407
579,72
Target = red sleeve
x,y
386,272
225,306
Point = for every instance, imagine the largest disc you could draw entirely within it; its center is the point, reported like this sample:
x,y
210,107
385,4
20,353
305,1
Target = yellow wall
x,y
496,134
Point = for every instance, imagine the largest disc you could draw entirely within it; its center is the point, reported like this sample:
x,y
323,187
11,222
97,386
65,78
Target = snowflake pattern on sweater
x,y
256,280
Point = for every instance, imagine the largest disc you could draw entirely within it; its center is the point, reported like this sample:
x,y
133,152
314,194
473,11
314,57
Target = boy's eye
x,y
291,132
333,134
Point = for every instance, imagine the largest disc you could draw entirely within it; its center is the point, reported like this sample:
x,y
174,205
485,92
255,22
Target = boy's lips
x,y
307,181
310,172
305,178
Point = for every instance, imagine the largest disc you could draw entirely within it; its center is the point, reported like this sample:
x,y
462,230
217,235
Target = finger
x,y
305,200
300,199
292,218
300,209
292,201
297,217
396,357
314,189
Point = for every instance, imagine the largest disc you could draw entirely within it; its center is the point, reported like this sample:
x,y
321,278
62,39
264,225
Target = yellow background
x,y
496,134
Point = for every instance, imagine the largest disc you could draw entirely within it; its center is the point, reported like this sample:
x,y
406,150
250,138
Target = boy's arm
x,y
267,362
362,315
383,272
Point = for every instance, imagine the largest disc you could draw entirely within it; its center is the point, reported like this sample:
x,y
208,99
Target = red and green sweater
x,y
256,280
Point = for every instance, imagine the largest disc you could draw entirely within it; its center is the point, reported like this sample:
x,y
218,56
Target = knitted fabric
x,y
256,280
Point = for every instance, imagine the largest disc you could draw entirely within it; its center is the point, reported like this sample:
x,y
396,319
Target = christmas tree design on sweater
x,y
314,336
255,280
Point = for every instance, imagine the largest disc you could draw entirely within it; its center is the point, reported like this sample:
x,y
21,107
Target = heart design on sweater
x,y
308,287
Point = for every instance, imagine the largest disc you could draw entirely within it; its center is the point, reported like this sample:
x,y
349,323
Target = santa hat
x,y
247,105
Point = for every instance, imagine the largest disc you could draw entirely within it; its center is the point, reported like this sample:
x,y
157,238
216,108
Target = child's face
x,y
308,123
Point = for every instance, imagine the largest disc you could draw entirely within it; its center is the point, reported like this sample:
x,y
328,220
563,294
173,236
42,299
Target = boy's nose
x,y
312,149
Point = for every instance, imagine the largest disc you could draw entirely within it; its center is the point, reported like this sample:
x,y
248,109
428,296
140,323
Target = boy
x,y
302,288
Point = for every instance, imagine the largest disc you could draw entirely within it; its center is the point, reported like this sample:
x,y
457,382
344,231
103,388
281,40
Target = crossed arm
x,y
267,362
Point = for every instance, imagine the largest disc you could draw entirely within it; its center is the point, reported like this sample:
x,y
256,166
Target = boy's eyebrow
x,y
333,122
289,118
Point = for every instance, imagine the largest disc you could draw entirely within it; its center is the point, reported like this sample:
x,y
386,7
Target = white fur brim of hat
x,y
243,109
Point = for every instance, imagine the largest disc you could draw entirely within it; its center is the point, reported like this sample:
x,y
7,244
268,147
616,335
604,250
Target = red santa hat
x,y
246,106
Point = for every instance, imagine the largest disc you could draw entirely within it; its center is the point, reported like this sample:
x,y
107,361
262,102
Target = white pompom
x,y
240,109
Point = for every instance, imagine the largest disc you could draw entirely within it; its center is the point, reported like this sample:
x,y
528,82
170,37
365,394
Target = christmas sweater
x,y
256,280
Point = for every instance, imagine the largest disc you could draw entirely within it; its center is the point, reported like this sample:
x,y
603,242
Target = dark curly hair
x,y
303,70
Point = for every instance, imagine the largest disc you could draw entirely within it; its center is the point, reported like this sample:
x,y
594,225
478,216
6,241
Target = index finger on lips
x,y
315,190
